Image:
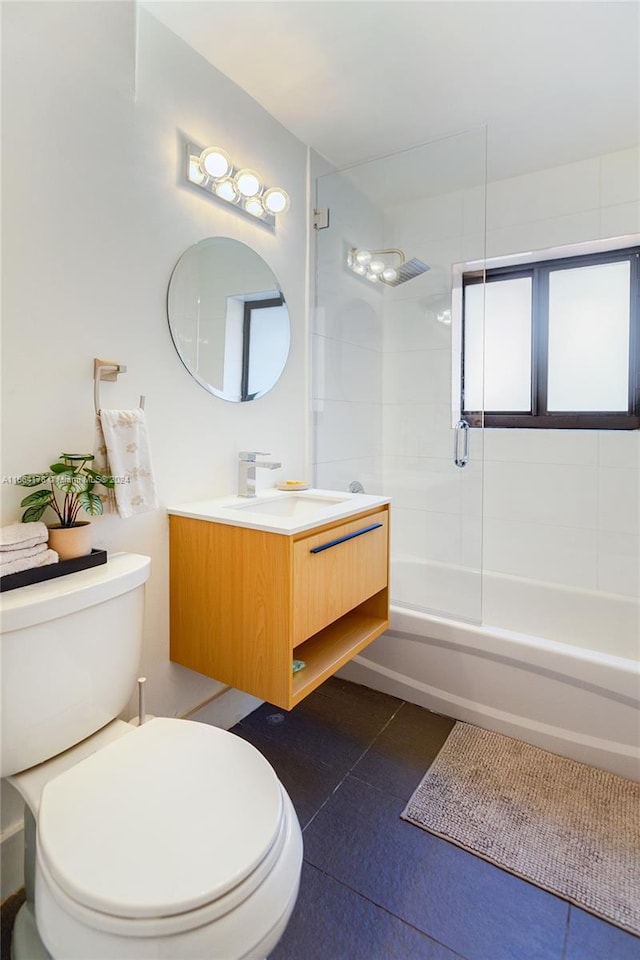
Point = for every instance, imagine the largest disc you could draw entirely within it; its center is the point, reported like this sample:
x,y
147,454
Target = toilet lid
x,y
164,820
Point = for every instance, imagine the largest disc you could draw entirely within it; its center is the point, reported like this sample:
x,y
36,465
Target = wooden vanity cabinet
x,y
245,603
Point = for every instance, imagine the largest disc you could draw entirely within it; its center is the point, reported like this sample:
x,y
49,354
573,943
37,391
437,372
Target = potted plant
x,y
70,490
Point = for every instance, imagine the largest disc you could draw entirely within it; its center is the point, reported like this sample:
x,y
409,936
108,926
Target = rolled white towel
x,y
21,535
28,563
22,553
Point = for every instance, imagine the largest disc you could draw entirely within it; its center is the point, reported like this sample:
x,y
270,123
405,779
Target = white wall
x,y
94,218
346,343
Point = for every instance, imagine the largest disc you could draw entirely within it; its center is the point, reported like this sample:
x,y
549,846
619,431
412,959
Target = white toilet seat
x,y
224,872
248,930
177,814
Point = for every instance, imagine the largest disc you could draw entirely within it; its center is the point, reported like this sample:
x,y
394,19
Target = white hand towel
x,y
22,553
19,535
28,563
122,437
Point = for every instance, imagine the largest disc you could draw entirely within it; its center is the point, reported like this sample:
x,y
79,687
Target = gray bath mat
x,y
572,829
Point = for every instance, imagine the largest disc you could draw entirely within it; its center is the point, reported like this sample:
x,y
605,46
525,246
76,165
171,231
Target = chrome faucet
x,y
247,471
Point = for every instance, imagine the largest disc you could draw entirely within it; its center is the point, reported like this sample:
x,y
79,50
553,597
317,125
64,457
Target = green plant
x,y
71,485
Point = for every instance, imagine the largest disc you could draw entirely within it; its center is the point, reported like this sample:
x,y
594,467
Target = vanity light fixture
x,y
211,169
370,265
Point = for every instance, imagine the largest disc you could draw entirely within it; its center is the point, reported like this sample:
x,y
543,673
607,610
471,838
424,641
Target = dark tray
x,y
52,570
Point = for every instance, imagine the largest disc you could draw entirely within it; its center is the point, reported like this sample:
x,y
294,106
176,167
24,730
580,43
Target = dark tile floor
x,y
377,888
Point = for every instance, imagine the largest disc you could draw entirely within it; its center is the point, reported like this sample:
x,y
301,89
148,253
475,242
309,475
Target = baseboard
x,y
224,709
11,860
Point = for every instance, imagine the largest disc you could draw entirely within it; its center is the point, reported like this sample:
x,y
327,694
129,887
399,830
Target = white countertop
x,y
277,511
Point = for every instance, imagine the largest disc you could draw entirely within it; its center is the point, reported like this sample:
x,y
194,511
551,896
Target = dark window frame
x,y
539,416
249,307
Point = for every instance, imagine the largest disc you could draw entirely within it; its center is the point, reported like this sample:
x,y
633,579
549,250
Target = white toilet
x,y
172,839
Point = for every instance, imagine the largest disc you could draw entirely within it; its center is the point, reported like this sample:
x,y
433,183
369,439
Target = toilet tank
x,y
69,655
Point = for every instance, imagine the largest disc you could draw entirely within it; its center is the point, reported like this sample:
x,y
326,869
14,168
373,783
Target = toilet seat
x,y
211,798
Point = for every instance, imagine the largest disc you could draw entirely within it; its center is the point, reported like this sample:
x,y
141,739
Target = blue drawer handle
x,y
348,536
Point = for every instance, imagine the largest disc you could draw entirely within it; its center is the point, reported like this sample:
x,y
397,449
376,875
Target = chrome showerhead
x,y
369,265
407,270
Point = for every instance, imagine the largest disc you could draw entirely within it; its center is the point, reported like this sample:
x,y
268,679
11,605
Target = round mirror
x,y
228,319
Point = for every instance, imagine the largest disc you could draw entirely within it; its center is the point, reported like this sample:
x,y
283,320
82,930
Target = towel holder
x,y
106,370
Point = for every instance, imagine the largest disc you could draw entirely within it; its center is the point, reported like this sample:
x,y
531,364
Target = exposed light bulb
x,y
373,277
215,162
254,206
376,266
360,269
363,257
276,200
227,190
212,170
248,183
389,274
195,170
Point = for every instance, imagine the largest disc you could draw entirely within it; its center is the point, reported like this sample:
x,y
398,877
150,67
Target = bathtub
x,y
553,666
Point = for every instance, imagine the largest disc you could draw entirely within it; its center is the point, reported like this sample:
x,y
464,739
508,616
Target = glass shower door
x,y
386,347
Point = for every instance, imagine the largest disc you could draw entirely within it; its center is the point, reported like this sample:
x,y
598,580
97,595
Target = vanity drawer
x,y
336,570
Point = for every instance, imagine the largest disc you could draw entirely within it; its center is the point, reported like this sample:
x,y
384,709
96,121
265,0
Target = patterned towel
x,y
122,451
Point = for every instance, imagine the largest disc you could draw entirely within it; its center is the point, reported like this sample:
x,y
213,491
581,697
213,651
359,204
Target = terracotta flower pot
x,y
69,542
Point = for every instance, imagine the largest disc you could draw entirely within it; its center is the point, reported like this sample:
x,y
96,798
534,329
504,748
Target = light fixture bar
x,y
212,170
369,265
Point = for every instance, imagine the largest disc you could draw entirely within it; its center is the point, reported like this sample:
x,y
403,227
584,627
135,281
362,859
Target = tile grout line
x,y
565,945
390,913
352,767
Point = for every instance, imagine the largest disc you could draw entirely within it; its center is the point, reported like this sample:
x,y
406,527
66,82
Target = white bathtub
x,y
566,680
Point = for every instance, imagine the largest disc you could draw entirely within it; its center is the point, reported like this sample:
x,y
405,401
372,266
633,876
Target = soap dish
x,y
293,485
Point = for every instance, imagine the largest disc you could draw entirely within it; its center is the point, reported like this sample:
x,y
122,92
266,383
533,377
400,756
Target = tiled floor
x,y
377,888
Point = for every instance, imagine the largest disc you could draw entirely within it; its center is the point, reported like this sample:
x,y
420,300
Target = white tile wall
x,y
541,551
619,563
344,371
427,536
619,448
547,194
622,219
561,506
423,483
542,446
418,376
346,345
350,312
620,177
337,475
561,494
417,429
541,234
619,500
348,431
412,324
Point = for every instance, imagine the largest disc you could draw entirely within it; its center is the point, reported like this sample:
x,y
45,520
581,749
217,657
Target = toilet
x,y
170,839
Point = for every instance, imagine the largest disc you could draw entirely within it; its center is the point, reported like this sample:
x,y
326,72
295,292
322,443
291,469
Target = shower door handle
x,y
461,441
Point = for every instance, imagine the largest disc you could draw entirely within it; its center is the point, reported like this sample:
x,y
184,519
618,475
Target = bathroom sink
x,y
290,505
280,511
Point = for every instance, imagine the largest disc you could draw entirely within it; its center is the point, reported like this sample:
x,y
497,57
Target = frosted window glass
x,y
589,338
505,356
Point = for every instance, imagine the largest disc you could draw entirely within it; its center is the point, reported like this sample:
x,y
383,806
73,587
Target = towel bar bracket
x,y
106,370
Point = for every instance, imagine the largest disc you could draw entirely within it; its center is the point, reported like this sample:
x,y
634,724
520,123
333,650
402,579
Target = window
x,y
554,344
